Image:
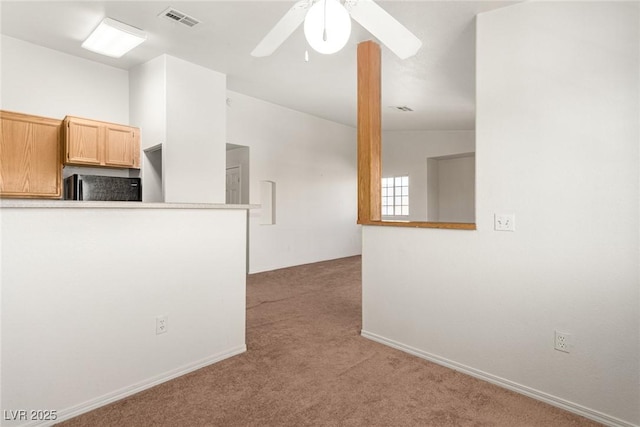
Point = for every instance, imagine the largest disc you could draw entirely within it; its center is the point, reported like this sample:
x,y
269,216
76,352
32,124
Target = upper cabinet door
x,y
96,143
121,146
30,156
84,142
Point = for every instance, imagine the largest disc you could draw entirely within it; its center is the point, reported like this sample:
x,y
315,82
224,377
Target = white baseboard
x,y
103,400
510,385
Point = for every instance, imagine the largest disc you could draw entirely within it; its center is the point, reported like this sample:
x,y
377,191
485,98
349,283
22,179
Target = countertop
x,y
74,204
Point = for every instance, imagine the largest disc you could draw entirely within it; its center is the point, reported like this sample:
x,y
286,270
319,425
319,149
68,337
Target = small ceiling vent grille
x,y
402,108
176,16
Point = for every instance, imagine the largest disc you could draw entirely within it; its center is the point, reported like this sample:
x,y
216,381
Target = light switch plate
x,y
504,222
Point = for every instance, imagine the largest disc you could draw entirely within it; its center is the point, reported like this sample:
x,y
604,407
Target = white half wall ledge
x,y
268,202
501,382
207,323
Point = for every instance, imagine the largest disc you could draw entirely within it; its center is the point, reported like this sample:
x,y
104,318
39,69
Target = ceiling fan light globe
x,y
338,26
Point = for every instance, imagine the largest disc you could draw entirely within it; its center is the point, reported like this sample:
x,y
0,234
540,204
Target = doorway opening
x,y
451,188
237,175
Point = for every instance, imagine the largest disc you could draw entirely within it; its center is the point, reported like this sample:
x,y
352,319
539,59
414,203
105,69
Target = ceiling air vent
x,y
402,108
176,16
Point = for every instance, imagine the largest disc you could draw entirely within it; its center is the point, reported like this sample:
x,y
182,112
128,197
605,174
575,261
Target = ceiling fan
x,y
327,25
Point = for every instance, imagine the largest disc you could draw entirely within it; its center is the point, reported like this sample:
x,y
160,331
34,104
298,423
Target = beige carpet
x,y
307,365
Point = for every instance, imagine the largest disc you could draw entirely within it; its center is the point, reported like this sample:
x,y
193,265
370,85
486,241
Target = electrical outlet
x,y
504,222
563,342
162,324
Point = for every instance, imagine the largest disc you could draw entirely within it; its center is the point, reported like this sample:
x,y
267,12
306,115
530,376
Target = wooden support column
x,y
369,133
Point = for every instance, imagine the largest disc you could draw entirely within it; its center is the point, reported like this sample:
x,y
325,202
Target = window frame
x,y
394,197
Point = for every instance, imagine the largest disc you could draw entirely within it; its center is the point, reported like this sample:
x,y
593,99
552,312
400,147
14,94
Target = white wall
x,y
557,145
45,82
183,107
406,152
313,163
148,100
195,153
455,188
148,111
79,301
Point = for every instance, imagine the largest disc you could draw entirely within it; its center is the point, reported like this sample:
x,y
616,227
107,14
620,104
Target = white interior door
x,y
233,186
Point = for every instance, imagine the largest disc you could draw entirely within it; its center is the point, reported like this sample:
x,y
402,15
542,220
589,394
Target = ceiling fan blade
x,y
385,28
283,29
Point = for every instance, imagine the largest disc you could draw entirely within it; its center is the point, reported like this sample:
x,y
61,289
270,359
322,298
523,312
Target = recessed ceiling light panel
x,y
114,38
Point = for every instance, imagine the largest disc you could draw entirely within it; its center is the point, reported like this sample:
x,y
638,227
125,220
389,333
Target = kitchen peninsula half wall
x,y
85,284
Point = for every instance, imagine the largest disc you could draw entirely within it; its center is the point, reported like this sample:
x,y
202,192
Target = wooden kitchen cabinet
x,y
122,146
30,156
83,143
95,143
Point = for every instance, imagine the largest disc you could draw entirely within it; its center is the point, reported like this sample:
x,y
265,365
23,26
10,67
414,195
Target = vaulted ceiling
x,y
438,83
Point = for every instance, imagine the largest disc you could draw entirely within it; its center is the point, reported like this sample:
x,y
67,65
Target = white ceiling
x,y
438,83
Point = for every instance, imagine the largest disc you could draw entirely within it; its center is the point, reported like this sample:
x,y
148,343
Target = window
x,y
395,196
